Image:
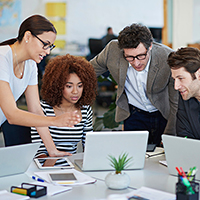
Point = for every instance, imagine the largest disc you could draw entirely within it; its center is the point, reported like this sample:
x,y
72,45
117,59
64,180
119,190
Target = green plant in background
x,y
121,163
108,119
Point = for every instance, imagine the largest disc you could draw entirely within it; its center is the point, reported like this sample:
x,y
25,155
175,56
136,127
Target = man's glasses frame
x,y
46,45
139,57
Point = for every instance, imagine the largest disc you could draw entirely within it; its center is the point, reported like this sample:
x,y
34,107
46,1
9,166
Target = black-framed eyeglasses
x,y
139,57
46,45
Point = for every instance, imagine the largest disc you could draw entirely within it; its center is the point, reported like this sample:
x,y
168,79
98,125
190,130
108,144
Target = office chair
x,y
95,46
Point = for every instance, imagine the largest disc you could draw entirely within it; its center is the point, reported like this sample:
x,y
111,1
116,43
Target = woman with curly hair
x,y
69,84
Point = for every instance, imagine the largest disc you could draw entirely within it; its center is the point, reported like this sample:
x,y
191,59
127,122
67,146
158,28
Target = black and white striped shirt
x,y
65,138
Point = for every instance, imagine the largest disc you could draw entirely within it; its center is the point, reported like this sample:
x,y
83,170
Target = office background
x,y
88,18
79,20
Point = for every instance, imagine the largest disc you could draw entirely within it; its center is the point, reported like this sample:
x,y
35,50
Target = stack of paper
x,y
5,195
145,192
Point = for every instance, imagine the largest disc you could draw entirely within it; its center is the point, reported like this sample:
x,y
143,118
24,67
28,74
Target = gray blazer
x,y
160,85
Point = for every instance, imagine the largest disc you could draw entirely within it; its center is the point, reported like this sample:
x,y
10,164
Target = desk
x,y
154,175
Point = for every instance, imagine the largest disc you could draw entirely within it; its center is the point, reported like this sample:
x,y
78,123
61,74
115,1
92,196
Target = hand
x,y
68,119
59,153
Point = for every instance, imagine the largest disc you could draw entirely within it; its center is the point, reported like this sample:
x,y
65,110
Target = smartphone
x,y
52,163
62,178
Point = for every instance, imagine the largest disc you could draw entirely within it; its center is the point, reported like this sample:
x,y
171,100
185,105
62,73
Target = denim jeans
x,y
141,120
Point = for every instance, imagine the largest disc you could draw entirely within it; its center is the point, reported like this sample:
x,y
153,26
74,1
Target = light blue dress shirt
x,y
135,88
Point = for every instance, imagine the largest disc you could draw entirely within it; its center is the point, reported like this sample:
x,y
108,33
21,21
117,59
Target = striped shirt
x,y
65,138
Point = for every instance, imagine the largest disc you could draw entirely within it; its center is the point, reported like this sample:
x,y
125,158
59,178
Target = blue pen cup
x,y
182,192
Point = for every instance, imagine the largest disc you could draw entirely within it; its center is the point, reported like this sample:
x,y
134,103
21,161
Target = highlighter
x,y
20,191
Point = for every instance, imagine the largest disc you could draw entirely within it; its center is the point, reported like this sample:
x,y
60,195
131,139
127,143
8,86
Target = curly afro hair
x,y
57,72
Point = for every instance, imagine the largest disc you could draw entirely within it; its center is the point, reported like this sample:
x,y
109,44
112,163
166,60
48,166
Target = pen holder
x,y
182,192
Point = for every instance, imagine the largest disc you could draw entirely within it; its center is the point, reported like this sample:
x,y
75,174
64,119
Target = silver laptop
x,y
181,152
99,145
16,159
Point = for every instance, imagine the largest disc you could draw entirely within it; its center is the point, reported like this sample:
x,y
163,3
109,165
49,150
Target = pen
x,y
37,179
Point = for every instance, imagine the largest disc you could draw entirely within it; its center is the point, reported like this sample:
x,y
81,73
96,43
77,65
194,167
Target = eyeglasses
x,y
139,57
46,45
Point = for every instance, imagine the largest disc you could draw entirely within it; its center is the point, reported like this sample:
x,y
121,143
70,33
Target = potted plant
x,y
118,179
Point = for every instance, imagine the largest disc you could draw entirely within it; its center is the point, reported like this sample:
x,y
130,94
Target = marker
x,y
189,171
20,191
193,173
178,171
187,184
183,173
37,179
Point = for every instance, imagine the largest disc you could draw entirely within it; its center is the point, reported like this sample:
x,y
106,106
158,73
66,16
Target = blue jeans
x,y
141,120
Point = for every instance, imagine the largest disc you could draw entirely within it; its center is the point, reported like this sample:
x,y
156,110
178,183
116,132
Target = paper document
x,y
145,192
153,194
81,177
5,195
52,189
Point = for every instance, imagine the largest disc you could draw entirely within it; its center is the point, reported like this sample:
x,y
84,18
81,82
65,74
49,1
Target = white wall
x,y
183,12
90,18
186,22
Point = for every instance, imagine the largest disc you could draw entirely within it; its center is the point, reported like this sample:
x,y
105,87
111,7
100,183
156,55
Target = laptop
x,y
181,152
98,145
16,159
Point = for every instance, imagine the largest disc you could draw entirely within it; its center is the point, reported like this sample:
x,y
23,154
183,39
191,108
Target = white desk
x,y
154,175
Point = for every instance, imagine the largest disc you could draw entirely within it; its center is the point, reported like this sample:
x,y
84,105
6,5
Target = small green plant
x,y
121,163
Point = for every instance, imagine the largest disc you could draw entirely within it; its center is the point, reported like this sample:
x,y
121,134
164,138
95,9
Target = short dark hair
x,y
132,36
36,24
187,57
57,71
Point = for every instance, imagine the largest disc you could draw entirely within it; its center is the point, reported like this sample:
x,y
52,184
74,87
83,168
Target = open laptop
x,y
16,159
181,152
99,145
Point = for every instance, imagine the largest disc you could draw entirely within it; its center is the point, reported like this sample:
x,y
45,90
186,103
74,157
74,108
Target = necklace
x,y
20,72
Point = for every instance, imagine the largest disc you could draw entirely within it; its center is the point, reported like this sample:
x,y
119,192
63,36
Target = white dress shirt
x,y
135,88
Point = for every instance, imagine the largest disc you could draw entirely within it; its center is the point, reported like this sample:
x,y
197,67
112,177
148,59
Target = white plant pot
x,y
117,181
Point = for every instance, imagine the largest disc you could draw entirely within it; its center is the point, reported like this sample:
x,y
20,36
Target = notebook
x,y
99,145
181,152
16,159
